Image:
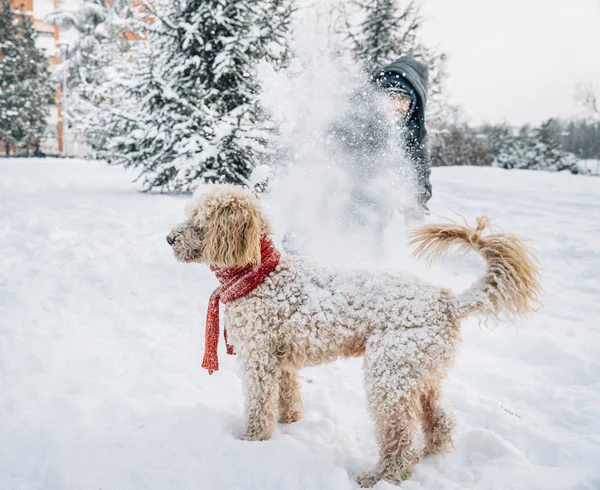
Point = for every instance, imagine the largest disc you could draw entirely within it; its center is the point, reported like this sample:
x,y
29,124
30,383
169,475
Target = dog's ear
x,y
232,233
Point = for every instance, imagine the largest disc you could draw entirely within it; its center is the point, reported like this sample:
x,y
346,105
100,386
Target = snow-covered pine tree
x,y
385,29
104,31
26,88
546,148
507,149
185,110
379,31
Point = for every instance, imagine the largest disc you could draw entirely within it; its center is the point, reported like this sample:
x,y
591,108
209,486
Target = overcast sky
x,y
516,60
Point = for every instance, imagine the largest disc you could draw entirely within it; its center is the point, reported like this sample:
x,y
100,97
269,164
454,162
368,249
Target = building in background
x,y
50,39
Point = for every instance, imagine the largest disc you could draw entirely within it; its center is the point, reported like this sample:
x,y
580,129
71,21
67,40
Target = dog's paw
x,y
438,448
439,439
367,479
290,418
435,448
253,436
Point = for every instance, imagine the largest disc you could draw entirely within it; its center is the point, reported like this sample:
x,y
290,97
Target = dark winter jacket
x,y
412,74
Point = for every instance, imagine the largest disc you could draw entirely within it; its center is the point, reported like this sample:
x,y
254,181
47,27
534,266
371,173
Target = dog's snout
x,y
170,239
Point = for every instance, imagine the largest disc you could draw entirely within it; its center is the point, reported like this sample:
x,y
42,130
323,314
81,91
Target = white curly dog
x,y
305,315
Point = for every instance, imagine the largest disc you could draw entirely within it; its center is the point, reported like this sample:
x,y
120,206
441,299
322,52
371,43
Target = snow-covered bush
x,y
534,148
537,148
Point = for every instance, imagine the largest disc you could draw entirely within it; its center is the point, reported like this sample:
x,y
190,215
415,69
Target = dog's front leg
x,y
261,389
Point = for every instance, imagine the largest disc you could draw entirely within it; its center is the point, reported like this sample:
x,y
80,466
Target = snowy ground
x,y
101,338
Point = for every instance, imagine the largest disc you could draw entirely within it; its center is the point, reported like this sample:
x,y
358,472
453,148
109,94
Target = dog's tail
x,y
509,287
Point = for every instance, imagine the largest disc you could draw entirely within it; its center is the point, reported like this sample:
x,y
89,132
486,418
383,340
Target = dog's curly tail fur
x,y
510,286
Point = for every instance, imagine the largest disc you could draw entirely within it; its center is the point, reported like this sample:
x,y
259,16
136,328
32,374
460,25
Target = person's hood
x,y
416,74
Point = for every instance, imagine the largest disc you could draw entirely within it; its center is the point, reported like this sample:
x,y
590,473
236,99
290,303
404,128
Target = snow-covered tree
x,y
507,148
379,31
104,31
26,88
459,145
582,138
547,152
184,107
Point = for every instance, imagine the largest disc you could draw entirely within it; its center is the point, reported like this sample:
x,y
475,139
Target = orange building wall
x,y
24,5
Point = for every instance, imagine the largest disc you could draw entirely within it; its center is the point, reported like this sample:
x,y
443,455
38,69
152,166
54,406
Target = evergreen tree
x,y
184,108
546,148
507,149
26,89
104,31
385,30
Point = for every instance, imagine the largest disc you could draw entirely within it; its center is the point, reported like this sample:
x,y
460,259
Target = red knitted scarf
x,y
235,283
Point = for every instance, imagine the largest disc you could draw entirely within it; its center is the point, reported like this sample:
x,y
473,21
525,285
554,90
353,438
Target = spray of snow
x,y
341,175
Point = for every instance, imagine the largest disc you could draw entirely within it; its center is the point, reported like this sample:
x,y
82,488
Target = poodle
x,y
303,314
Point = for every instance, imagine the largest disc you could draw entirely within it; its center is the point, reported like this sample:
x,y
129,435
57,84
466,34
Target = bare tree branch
x,y
587,96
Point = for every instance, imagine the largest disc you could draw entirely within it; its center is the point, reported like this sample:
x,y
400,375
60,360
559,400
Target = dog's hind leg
x,y
261,389
290,401
393,403
437,423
